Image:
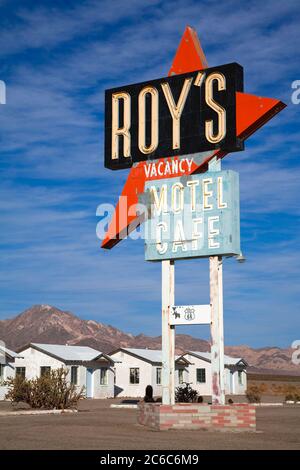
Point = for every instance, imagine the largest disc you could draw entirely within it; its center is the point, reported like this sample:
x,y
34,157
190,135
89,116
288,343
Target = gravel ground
x,y
97,426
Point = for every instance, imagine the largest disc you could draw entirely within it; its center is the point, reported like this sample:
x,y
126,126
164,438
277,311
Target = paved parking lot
x,y
97,426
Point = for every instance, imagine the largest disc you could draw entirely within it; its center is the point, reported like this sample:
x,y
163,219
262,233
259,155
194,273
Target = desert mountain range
x,y
48,324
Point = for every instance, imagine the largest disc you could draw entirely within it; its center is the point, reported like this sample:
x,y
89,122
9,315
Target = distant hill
x,y
48,324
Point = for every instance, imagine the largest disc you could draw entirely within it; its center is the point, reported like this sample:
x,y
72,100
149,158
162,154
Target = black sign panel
x,y
178,115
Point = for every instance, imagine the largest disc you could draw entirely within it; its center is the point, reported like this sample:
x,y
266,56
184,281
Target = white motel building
x,y
86,366
125,372
235,377
7,368
137,368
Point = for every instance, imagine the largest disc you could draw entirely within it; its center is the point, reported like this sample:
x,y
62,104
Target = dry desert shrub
x,y
254,393
51,391
186,394
292,393
278,389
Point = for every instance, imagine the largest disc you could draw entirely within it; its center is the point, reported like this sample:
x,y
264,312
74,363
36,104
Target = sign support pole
x,y
217,330
216,326
168,333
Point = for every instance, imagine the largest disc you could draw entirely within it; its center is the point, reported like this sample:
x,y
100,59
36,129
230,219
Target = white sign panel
x,y
190,315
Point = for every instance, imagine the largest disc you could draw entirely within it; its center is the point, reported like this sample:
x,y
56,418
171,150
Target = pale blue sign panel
x,y
193,216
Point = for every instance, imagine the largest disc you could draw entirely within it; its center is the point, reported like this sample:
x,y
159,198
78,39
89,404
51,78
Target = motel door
x,y
89,383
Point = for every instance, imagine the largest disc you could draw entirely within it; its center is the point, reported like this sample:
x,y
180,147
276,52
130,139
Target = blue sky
x,y
57,58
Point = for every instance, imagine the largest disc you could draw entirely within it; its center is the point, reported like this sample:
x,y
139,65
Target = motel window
x,y
200,376
158,375
103,376
180,376
45,370
134,375
2,371
240,377
21,372
74,375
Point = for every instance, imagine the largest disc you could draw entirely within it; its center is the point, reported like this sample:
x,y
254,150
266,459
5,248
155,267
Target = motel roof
x,y
149,355
8,352
228,360
68,353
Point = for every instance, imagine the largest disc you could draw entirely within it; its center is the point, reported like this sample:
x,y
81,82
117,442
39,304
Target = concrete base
x,y
236,417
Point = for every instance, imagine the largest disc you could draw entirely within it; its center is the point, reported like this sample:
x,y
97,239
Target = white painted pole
x,y
217,329
168,333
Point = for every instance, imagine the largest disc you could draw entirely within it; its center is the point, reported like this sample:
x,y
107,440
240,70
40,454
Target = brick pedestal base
x,y
236,417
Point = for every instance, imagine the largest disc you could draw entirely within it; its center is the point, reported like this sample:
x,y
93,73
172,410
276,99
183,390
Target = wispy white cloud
x,y
46,26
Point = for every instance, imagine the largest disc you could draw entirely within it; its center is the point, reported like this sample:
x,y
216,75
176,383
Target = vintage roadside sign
x,y
173,133
193,216
252,112
177,115
190,315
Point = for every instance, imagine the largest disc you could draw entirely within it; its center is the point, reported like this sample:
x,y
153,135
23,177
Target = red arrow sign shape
x,y
252,112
